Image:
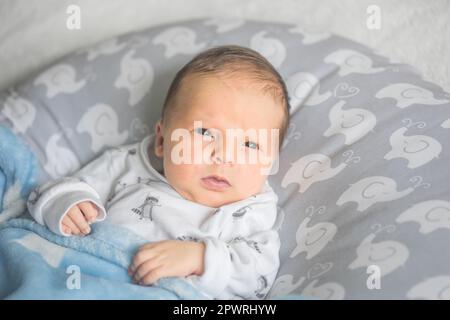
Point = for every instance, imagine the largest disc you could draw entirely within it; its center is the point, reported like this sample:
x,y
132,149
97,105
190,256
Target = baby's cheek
x,y
252,179
179,171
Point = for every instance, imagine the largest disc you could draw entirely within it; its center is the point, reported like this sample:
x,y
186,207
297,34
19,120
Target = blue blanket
x,y
19,170
35,263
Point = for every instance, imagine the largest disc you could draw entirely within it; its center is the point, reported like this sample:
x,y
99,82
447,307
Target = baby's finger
x,y
149,245
152,276
78,218
145,269
73,228
89,211
66,229
139,258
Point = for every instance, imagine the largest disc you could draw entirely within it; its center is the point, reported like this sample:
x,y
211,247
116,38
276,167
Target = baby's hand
x,y
170,258
79,217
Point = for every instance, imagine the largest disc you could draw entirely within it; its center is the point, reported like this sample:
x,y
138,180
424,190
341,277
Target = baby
x,y
197,188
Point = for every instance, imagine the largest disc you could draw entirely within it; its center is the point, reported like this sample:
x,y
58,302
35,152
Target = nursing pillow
x,y
363,177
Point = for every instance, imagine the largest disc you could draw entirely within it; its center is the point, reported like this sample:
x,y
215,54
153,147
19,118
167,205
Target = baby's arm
x,y
53,201
244,267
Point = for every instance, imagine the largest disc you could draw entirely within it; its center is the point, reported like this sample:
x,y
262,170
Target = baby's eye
x,y
203,132
251,145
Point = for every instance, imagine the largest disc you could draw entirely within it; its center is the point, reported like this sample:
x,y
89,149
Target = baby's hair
x,y
228,60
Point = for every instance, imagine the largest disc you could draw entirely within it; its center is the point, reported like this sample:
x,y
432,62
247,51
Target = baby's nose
x,y
222,154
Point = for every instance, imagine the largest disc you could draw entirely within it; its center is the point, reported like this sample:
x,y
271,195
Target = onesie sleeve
x,y
49,202
245,265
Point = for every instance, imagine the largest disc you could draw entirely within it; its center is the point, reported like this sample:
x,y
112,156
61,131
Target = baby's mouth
x,y
215,183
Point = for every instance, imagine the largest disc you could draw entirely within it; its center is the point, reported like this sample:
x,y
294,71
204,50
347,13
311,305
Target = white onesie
x,y
242,245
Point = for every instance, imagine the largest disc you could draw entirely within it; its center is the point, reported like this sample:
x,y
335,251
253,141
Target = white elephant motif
x,y
107,47
313,239
407,94
271,48
284,285
102,124
436,288
310,169
431,215
350,61
303,88
369,191
60,160
136,76
353,123
178,40
58,79
326,291
386,255
310,37
20,112
446,124
417,150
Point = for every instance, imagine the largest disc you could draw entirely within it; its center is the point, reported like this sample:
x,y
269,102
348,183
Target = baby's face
x,y
218,104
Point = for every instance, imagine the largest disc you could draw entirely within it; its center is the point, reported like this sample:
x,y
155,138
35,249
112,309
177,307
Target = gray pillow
x,y
363,174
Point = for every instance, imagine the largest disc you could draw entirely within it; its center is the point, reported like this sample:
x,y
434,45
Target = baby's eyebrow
x,y
209,122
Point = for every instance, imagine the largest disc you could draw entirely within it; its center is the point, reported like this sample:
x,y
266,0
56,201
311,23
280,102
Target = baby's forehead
x,y
202,95
212,86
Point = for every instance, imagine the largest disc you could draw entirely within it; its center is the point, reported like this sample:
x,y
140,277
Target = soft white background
x,y
33,33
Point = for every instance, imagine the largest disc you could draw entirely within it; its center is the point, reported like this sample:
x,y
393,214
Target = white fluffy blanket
x,y
33,33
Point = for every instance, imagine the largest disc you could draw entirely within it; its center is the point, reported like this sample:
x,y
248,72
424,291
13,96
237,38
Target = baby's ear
x,y
159,148
159,139
159,127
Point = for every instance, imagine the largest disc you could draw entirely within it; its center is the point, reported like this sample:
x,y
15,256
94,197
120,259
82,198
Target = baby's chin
x,y
217,203
211,199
